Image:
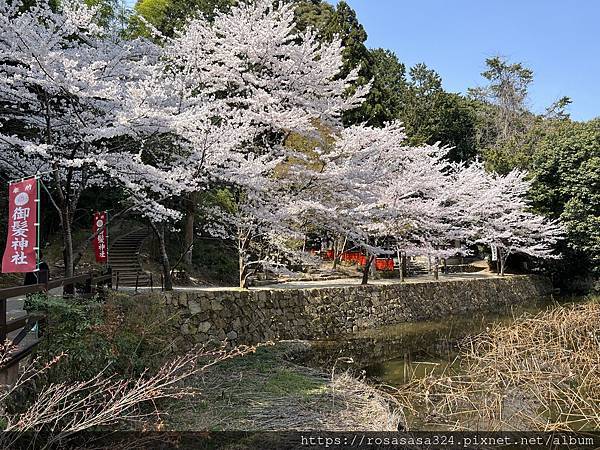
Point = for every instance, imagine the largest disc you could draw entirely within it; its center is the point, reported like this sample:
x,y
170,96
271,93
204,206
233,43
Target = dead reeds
x,y
540,372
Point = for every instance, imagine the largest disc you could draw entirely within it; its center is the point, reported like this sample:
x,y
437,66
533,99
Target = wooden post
x,y
89,284
400,267
2,321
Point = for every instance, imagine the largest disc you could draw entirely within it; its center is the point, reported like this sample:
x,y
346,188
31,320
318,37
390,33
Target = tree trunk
x,y
68,256
404,269
502,259
400,256
243,271
188,239
367,269
67,241
159,231
335,254
498,261
436,272
64,208
243,245
338,251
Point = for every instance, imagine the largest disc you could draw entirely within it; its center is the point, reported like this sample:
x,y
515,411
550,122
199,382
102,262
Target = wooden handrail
x,y
17,291
25,323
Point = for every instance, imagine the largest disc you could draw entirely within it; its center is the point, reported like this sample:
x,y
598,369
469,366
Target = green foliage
x,y
109,11
428,112
506,129
432,115
344,24
313,13
217,260
515,151
167,16
124,336
508,83
289,382
566,174
341,22
389,85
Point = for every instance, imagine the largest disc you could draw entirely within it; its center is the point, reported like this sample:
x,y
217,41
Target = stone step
x,y
131,281
124,258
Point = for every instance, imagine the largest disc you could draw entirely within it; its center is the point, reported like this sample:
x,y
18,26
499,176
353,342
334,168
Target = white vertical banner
x,y
494,253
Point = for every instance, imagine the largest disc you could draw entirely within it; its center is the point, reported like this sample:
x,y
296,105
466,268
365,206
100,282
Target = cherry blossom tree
x,y
502,217
265,80
375,188
214,106
62,90
383,193
354,172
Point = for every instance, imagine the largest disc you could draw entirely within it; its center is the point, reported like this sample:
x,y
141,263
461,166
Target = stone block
x,y
216,305
232,335
194,307
204,327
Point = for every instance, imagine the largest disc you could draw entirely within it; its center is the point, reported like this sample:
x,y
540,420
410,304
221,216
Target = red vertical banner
x,y
21,253
101,240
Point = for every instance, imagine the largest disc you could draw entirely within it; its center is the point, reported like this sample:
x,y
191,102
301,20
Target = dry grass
x,y
541,372
264,391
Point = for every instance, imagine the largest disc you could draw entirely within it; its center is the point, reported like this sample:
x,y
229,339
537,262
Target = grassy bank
x,y
540,372
267,391
127,341
537,372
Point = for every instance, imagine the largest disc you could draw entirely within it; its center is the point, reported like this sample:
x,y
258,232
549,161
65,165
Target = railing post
x,y
137,279
117,288
89,284
109,272
2,321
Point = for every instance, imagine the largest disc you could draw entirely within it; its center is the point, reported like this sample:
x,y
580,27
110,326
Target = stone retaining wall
x,y
247,317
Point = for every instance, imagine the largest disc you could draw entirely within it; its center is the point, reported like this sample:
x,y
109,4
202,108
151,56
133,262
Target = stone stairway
x,y
125,259
417,266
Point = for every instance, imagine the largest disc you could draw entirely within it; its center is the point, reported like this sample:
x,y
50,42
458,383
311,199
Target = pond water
x,y
394,354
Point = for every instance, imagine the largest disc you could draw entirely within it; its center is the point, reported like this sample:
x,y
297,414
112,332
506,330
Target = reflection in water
x,y
394,354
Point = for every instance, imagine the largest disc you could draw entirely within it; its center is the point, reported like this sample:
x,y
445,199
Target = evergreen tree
x,y
170,15
565,169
